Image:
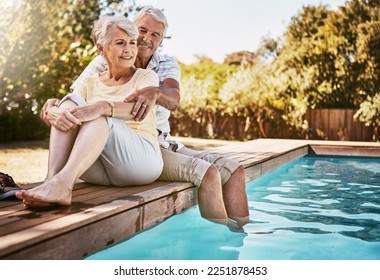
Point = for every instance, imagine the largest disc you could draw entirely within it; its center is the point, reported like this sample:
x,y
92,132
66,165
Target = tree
x,y
330,58
311,52
46,46
200,85
359,25
242,58
268,50
369,113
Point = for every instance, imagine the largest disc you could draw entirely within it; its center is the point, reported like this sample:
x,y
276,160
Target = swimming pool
x,y
316,207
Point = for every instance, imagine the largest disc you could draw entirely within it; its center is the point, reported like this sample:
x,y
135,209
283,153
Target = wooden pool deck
x,y
101,216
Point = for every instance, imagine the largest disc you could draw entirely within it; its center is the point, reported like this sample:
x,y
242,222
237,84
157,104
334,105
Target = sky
x,y
215,28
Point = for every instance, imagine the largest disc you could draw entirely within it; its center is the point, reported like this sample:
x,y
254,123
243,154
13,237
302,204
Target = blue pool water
x,y
325,208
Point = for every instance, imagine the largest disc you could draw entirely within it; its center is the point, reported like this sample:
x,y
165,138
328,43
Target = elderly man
x,y
217,177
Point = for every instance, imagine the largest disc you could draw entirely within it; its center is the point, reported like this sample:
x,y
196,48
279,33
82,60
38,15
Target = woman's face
x,y
121,51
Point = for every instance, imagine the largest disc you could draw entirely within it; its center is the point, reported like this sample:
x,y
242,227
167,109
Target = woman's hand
x,y
61,119
50,103
90,111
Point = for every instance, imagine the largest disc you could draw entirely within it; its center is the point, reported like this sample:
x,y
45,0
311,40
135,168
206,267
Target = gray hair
x,y
100,33
157,15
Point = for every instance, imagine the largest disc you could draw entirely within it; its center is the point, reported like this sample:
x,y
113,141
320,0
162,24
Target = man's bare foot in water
x,y
51,192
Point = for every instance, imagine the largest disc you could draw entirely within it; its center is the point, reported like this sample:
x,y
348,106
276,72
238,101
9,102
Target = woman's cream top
x,y
92,89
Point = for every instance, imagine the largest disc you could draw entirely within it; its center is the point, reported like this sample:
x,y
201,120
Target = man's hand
x,y
52,102
144,100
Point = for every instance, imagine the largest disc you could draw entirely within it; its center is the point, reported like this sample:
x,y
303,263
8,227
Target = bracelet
x,y
112,105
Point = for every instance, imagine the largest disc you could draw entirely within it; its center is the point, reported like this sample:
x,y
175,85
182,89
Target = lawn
x,y
26,162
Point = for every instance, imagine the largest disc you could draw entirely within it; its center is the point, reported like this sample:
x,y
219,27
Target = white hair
x,y
157,15
100,33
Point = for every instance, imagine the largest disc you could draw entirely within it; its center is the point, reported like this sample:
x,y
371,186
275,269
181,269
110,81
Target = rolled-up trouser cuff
x,y
188,165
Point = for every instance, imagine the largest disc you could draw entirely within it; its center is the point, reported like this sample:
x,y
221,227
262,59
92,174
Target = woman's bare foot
x,y
51,192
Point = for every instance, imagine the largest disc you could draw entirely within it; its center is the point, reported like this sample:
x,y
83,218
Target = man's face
x,y
151,34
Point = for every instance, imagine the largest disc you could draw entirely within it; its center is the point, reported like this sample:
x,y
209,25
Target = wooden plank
x,y
102,232
59,222
84,195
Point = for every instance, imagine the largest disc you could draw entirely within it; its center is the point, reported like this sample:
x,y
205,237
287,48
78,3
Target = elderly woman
x,y
94,136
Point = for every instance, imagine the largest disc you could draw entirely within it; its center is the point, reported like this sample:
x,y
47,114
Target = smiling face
x,y
121,50
151,34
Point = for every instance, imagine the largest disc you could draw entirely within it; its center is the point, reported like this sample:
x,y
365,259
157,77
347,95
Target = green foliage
x,y
325,59
200,102
214,76
311,56
249,92
369,111
242,58
45,47
328,59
